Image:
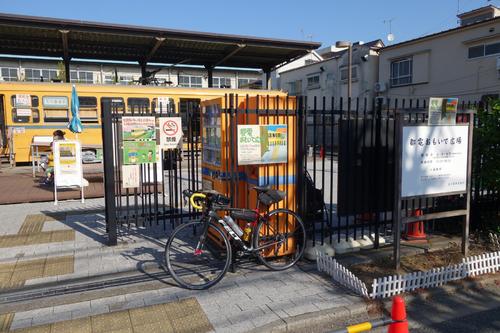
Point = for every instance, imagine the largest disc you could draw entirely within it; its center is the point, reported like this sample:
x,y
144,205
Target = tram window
x,y
138,105
55,108
88,109
23,113
166,106
117,104
34,101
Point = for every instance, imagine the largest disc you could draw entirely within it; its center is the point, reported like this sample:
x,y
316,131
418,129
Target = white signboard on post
x,y
170,132
68,170
434,160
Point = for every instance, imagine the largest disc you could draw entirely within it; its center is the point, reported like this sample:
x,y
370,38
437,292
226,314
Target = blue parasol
x,y
75,125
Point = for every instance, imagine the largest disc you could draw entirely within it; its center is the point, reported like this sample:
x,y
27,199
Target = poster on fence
x,y
442,111
130,176
262,144
139,152
138,128
434,160
170,132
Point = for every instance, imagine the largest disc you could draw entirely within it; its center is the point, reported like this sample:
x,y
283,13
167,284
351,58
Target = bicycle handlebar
x,y
193,197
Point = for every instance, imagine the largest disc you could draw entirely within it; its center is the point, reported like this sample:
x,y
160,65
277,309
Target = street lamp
x,y
348,45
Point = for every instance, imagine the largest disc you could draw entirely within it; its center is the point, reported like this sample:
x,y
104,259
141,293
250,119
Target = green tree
x,y
61,71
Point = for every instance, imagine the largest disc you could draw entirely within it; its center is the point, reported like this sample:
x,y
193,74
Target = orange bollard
x,y
416,229
398,314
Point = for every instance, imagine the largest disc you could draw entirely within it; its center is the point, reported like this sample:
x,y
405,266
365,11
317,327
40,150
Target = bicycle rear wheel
x,y
281,239
194,270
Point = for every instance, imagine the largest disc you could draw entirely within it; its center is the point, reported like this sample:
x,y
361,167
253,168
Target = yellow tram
x,y
49,110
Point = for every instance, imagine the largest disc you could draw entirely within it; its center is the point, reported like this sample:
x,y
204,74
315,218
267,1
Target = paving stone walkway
x,y
251,297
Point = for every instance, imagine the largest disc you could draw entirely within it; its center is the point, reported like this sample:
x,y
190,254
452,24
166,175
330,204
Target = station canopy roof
x,y
41,36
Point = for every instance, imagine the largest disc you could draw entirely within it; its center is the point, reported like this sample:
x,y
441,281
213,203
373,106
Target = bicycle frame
x,y
212,215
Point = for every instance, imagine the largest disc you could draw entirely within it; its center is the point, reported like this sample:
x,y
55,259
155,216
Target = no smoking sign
x,y
170,132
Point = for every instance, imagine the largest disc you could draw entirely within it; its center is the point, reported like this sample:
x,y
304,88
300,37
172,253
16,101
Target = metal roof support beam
x,y
159,41
238,48
268,78
210,72
66,61
66,58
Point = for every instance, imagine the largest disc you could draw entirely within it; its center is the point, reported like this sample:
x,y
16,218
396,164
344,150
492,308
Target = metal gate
x,y
158,201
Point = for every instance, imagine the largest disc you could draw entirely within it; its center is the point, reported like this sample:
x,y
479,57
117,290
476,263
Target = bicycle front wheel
x,y
280,239
197,269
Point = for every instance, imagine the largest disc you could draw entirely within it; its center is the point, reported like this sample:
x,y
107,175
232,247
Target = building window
x,y
244,83
484,50
295,88
9,74
344,73
190,81
109,79
126,79
401,72
81,77
313,82
40,75
221,82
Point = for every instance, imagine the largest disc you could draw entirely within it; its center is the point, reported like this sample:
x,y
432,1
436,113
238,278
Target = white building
x,y
462,62
36,70
310,58
329,77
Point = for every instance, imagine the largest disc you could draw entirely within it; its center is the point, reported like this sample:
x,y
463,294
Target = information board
x,y
262,144
434,160
67,163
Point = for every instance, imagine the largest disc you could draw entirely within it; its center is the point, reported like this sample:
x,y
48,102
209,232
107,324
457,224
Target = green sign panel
x,y
139,152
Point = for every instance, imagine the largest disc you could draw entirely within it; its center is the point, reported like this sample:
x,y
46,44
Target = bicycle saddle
x,y
261,189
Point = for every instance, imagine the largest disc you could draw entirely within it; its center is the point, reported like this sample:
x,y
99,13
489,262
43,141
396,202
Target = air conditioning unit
x,y
380,87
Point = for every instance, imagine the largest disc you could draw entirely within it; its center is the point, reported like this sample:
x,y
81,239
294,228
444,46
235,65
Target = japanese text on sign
x,y
434,160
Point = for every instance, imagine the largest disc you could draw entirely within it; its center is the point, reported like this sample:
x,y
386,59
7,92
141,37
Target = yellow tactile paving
x,y
82,325
32,224
5,321
189,317
15,274
31,233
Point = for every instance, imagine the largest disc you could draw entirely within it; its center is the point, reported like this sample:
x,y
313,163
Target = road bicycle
x,y
198,254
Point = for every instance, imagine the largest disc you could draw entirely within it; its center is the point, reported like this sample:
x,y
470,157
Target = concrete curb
x,y
317,320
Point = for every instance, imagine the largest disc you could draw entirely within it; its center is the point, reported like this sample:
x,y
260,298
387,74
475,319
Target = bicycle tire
x,y
191,275
271,256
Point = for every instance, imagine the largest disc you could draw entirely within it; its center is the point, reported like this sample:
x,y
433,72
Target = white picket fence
x,y
340,274
388,286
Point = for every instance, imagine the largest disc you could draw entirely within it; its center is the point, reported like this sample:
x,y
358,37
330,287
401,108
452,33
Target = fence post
x,y
109,170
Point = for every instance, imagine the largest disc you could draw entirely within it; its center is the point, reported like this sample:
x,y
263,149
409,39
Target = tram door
x,y
3,125
189,109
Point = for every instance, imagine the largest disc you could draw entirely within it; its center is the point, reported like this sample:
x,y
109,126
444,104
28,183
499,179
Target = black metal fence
x,y
158,199
343,179
349,155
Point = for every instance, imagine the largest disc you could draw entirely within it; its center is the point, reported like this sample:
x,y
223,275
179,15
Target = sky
x,y
317,20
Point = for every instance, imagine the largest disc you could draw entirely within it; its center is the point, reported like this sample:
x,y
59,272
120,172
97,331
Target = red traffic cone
x,y
416,229
398,314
